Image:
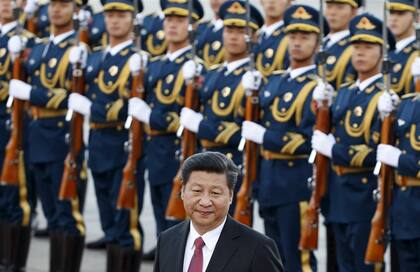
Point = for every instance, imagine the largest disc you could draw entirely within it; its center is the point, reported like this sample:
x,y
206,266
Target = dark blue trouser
x,y
2,195
160,196
61,215
351,242
408,254
283,224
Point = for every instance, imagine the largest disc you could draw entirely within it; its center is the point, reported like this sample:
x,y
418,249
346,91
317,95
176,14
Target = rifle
x,y
175,209
68,187
318,183
128,190
243,210
13,171
380,222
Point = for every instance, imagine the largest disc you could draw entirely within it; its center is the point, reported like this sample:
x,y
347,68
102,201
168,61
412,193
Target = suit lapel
x,y
226,246
176,260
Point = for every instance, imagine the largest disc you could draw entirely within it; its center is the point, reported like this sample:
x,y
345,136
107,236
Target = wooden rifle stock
x,y
379,226
175,209
128,190
13,160
68,186
310,229
243,210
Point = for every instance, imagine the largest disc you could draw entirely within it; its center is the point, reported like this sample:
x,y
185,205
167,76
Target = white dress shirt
x,y
4,29
210,240
403,43
367,82
117,48
233,65
294,73
268,30
174,55
336,37
61,37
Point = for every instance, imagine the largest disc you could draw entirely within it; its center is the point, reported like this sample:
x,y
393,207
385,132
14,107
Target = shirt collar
x,y
117,48
174,55
403,43
210,238
58,39
217,24
232,66
367,82
6,28
294,73
336,37
268,30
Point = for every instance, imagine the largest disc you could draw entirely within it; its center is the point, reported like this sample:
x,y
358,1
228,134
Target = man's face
x,y
60,13
207,198
6,10
275,8
118,23
234,40
400,22
175,28
339,15
215,5
302,45
366,56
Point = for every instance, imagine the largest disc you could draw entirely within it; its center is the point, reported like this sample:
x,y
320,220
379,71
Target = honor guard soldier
x,y
401,23
209,38
222,96
271,52
351,145
405,158
153,35
108,81
284,134
339,69
47,90
16,201
165,88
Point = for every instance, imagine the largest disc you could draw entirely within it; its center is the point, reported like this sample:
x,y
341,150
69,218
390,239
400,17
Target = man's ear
x,y
182,192
231,196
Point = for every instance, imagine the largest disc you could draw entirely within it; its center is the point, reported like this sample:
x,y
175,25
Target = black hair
x,y
211,162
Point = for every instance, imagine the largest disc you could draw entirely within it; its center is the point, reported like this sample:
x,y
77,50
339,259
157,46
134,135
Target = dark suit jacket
x,y
239,249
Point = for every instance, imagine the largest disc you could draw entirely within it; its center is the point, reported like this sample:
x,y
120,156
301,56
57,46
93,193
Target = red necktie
x,y
196,264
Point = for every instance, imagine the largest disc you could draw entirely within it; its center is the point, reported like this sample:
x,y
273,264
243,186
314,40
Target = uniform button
x,y
168,118
364,180
285,138
338,139
220,128
404,151
267,124
403,188
407,135
222,105
37,72
60,124
290,164
341,122
355,125
95,80
209,102
176,141
229,155
351,152
148,138
283,109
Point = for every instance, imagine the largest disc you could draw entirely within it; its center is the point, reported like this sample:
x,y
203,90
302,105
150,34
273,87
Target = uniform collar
x,y
367,82
174,55
58,39
116,49
232,66
217,24
403,43
268,30
336,37
294,73
210,238
6,28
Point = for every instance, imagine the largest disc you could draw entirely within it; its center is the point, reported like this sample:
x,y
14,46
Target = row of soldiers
x,y
285,45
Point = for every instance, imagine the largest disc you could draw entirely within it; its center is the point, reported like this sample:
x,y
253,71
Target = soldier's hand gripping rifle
x,y
13,171
318,183
72,163
175,209
380,222
243,210
127,198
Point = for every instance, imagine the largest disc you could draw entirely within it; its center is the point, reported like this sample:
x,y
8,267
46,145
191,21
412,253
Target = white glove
x,y
16,44
387,103
19,89
323,143
415,67
253,132
323,92
138,62
388,155
31,7
78,54
251,80
79,103
190,119
84,16
139,109
190,69
139,18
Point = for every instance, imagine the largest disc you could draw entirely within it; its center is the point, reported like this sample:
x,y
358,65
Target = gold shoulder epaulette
x,y
409,95
278,72
346,84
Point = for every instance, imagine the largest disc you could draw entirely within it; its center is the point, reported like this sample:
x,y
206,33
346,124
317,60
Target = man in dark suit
x,y
211,240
